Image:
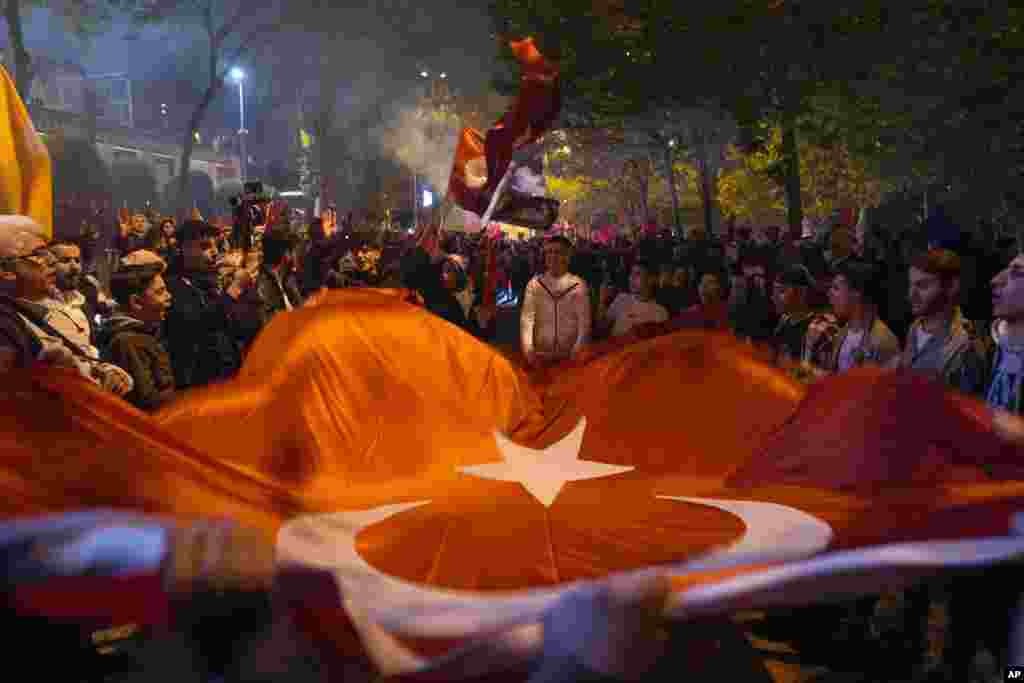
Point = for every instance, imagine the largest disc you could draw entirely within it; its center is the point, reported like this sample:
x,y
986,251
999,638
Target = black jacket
x,y
136,348
16,335
202,332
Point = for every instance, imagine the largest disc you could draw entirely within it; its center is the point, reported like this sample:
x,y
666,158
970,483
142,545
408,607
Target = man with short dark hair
x,y
274,283
790,299
752,312
940,341
1004,391
74,317
202,333
134,339
633,308
864,338
555,320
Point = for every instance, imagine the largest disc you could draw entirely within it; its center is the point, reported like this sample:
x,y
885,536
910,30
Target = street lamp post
x,y
239,76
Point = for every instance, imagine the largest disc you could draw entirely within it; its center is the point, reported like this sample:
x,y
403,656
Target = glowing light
x,y
424,74
444,75
237,74
428,199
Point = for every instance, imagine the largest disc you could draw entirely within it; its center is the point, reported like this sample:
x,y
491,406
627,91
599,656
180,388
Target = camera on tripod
x,y
250,211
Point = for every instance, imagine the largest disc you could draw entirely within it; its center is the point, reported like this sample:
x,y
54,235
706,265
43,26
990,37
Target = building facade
x,y
65,101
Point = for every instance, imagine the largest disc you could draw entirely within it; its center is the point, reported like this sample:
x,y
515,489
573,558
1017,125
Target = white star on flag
x,y
543,473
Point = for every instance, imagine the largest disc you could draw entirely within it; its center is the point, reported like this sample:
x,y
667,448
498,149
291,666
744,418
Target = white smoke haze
x,y
419,143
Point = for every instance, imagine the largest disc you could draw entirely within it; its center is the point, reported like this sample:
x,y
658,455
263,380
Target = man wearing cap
x,y
864,338
135,344
28,277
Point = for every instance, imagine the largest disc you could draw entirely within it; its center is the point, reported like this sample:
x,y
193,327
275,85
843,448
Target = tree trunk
x,y
184,199
706,197
670,162
791,154
22,60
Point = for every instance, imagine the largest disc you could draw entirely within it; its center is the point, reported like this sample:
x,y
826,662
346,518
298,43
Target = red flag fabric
x,y
453,498
480,162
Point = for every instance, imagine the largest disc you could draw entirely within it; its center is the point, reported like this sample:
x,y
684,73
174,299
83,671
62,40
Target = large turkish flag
x,y
453,498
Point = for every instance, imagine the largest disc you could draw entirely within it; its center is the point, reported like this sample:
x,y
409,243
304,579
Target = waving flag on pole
x,y
454,501
482,160
26,184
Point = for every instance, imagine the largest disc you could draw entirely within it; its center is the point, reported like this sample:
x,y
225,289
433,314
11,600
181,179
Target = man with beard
x,y
28,312
940,341
202,333
79,317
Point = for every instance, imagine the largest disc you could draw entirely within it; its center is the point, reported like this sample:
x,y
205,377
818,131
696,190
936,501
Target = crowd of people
x,y
178,305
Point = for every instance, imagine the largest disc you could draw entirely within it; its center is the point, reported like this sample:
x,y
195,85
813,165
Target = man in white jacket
x,y
555,321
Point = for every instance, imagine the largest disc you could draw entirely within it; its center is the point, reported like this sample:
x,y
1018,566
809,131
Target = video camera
x,y
249,211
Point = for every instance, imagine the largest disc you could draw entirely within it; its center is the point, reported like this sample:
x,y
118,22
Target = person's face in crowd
x,y
1008,291
787,298
33,273
167,229
928,294
843,297
138,224
556,259
200,256
755,276
710,289
152,304
254,258
681,278
69,266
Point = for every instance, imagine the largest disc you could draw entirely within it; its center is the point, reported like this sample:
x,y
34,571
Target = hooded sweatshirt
x,y
135,346
1004,391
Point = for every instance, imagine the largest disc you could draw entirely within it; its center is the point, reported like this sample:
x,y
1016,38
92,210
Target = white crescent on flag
x,y
376,601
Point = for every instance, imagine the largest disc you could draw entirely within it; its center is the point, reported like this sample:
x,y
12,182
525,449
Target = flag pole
x,y
486,218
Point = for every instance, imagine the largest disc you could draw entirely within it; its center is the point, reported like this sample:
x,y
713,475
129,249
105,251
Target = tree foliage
x,y
919,92
752,189
82,18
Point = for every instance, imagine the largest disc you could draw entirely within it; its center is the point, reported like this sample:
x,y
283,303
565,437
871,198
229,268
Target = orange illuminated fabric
x,y
26,184
366,401
465,190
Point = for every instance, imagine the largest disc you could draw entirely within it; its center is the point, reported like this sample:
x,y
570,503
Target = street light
x,y
238,75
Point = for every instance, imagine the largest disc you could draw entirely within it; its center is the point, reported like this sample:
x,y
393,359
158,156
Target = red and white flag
x,y
454,499
482,160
